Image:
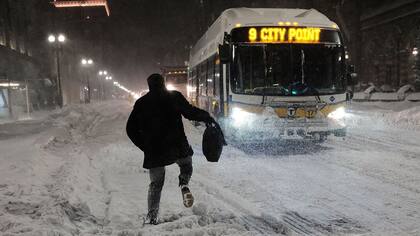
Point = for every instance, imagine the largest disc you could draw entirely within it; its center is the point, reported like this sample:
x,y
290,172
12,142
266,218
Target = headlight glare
x,y
240,117
338,114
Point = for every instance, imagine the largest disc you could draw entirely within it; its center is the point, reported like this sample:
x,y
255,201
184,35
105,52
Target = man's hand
x,y
209,120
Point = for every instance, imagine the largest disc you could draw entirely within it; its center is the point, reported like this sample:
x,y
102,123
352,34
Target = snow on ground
x,y
76,173
403,115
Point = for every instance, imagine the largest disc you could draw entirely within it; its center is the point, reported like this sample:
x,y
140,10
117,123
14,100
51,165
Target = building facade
x,y
390,38
21,50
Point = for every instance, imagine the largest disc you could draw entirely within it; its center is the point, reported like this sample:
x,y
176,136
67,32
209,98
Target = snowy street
x,y
75,172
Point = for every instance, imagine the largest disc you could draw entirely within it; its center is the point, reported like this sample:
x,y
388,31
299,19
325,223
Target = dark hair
x,y
156,82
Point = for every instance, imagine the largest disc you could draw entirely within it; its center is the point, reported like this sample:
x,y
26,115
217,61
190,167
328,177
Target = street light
x,y
61,38
87,62
51,38
57,41
415,51
102,73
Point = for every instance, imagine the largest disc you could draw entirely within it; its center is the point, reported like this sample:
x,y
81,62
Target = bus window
x,y
190,84
210,76
275,69
216,76
202,79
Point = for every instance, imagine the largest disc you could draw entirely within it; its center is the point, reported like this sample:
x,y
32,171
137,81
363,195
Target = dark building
x,y
390,36
22,24
28,60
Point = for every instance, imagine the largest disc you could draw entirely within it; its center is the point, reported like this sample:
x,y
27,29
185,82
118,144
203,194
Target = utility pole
x,y
57,40
59,90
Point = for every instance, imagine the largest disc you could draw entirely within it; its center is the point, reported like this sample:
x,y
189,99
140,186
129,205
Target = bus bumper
x,y
288,129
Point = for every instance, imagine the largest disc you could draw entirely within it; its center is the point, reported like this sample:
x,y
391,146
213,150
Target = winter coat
x,y
155,126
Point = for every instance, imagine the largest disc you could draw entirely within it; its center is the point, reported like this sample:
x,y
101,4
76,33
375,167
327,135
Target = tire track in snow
x,y
257,220
376,145
293,220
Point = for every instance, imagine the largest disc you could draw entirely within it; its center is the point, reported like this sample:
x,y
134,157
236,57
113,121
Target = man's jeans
x,y
157,178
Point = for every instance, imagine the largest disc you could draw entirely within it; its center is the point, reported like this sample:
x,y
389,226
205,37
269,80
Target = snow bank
x,y
400,115
408,119
48,183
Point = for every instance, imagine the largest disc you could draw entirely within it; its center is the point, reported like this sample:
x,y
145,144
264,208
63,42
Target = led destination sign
x,y
308,35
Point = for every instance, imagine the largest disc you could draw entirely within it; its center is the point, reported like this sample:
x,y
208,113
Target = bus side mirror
x,y
351,75
224,53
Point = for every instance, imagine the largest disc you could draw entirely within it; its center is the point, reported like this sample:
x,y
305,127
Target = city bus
x,y
175,78
272,73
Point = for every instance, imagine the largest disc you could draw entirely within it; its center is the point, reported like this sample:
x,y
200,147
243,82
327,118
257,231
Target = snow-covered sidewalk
x,y
76,173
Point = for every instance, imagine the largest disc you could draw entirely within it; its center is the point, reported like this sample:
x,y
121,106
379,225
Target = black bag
x,y
213,142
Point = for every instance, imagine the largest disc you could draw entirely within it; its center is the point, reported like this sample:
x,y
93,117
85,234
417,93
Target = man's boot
x,y
151,219
187,196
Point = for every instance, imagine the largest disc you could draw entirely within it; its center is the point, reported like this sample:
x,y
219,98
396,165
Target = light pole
x,y
87,62
57,41
103,74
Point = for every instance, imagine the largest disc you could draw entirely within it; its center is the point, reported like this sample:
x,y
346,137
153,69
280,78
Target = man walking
x,y
155,126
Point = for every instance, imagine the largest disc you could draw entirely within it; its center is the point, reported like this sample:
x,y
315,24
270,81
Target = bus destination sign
x,y
303,35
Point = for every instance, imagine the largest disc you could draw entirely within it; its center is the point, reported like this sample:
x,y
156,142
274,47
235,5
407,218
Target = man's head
x,y
156,82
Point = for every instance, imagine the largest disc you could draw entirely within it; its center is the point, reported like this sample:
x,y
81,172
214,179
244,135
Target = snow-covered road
x,y
76,173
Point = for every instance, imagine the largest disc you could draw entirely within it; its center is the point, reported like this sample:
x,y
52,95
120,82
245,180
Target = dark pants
x,y
157,178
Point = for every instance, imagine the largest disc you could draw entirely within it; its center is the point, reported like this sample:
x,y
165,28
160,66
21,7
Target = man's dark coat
x,y
155,126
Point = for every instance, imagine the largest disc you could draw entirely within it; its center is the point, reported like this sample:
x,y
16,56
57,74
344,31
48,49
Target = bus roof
x,y
243,17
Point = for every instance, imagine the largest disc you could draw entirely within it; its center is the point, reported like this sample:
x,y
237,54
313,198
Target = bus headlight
x,y
170,87
240,117
338,114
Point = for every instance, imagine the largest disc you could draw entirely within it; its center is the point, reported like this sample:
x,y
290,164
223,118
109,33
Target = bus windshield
x,y
288,69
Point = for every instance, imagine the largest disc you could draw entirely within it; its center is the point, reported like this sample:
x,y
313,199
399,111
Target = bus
x,y
272,73
175,78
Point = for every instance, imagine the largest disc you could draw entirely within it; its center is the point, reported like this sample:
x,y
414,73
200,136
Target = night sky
x,y
145,35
